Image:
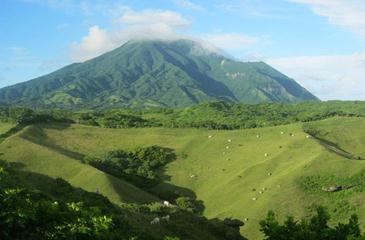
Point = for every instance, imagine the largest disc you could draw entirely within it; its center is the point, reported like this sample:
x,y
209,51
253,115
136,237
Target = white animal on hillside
x,y
227,147
307,136
166,203
266,154
229,140
254,199
281,133
192,175
210,136
166,218
156,220
257,136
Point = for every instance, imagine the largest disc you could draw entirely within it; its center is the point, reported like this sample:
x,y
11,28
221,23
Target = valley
x,y
235,173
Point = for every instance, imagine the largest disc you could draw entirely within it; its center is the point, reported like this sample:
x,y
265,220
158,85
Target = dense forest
x,y
211,115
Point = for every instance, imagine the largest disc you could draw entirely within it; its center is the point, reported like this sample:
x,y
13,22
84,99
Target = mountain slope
x,y
156,73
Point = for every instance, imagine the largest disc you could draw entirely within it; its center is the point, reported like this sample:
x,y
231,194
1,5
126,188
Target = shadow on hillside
x,y
56,188
37,135
335,148
164,190
184,225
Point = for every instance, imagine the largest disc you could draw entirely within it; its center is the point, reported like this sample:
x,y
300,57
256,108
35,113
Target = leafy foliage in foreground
x,y
315,228
69,213
138,166
31,215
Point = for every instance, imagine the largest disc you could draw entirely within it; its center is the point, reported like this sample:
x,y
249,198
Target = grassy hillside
x,y
349,135
5,126
35,152
227,180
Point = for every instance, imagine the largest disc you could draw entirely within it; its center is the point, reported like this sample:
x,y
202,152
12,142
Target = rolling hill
x,y
156,74
278,168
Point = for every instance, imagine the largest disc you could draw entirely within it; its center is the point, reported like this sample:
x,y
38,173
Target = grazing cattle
x,y
166,218
254,199
229,140
307,136
260,192
156,220
281,133
246,219
210,136
266,154
227,147
269,174
257,135
263,189
166,203
192,176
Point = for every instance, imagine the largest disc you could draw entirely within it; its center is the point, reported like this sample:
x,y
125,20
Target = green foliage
x,y
53,214
224,115
138,166
190,205
212,115
30,215
316,227
119,120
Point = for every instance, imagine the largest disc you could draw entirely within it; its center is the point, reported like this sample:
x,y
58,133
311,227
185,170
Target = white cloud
x,y
95,43
346,13
148,17
147,24
231,41
188,5
328,77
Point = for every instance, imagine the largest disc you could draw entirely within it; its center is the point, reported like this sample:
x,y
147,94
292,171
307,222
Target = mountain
x,y
150,73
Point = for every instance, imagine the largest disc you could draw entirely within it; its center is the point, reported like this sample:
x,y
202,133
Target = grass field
x,y
229,176
5,126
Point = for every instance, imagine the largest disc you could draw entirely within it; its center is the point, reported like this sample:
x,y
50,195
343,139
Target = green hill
x,y
156,74
35,152
276,168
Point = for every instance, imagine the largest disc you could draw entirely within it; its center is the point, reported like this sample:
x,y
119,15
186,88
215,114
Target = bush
x,y
138,166
190,205
315,228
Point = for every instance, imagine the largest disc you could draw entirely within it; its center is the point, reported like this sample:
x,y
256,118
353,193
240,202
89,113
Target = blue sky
x,y
320,43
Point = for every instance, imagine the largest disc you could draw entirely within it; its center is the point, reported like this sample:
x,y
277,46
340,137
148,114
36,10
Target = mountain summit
x,y
150,73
